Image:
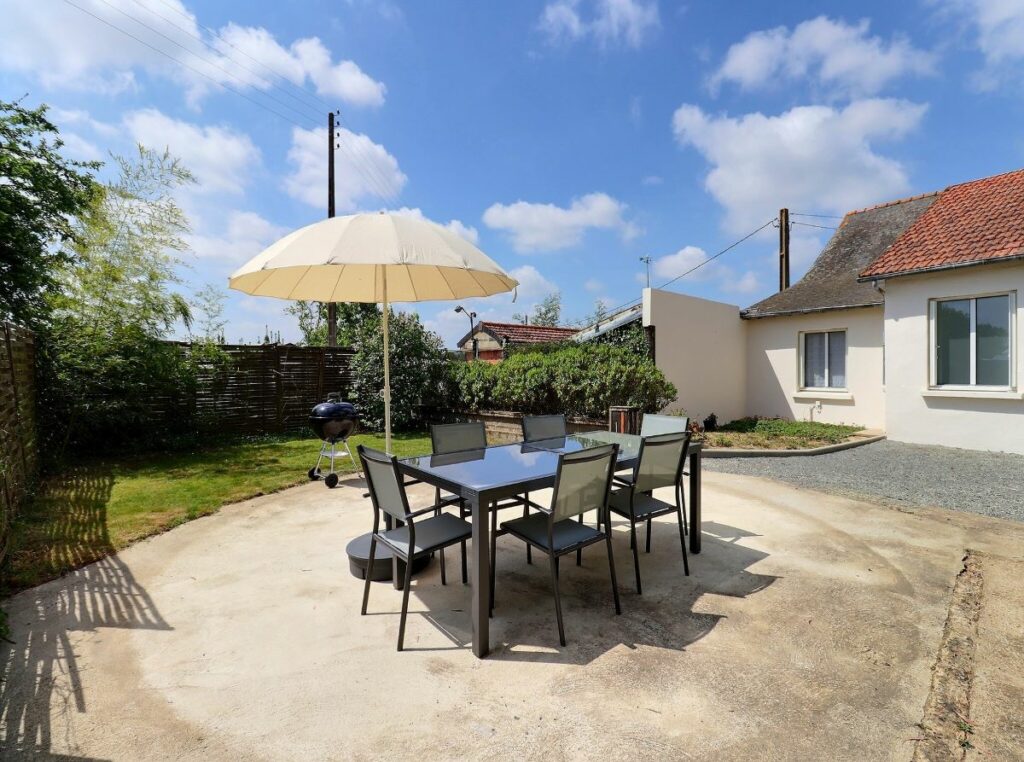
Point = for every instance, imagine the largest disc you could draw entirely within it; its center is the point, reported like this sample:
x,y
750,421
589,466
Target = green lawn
x,y
92,508
778,434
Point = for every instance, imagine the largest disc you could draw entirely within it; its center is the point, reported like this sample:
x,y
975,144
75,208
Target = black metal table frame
x,y
480,551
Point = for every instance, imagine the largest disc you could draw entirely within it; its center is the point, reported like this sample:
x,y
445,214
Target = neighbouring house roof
x,y
832,282
517,333
971,223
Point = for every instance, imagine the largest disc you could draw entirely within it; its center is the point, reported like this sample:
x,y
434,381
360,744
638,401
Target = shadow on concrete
x,y
524,628
39,673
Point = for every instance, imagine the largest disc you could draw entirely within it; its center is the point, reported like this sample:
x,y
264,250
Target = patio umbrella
x,y
375,257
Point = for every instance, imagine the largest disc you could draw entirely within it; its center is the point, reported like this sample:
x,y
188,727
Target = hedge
x,y
577,380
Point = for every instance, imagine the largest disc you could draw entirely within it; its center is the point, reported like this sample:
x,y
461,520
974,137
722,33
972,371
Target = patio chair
x,y
665,424
448,438
538,427
414,538
660,464
582,483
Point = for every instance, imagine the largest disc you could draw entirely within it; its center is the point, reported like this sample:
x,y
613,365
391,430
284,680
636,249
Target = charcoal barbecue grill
x,y
333,421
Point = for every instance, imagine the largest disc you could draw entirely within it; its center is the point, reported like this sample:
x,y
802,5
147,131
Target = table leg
x,y
481,576
695,464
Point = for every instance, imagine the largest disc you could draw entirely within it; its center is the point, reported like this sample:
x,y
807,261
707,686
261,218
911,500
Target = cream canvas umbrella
x,y
375,257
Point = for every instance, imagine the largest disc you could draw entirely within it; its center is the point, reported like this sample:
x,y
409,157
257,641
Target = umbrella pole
x,y
387,371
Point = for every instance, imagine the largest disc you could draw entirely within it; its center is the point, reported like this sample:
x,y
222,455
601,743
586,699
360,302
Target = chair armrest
x,y
421,511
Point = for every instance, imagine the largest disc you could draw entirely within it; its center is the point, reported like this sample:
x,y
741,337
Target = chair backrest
x,y
663,424
385,482
583,481
458,437
537,427
660,463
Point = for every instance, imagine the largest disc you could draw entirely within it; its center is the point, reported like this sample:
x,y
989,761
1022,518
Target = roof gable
x,y
970,223
832,282
518,333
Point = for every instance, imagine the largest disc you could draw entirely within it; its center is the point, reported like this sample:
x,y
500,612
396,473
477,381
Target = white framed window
x,y
972,340
823,360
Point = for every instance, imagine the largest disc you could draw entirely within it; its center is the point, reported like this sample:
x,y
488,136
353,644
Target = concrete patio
x,y
808,630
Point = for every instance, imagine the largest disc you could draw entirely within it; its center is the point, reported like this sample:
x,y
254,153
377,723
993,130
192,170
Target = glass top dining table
x,y
484,476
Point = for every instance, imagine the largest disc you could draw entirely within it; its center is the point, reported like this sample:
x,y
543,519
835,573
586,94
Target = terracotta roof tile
x,y
974,222
517,333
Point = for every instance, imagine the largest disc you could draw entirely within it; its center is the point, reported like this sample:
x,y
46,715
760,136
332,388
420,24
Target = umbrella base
x,y
358,551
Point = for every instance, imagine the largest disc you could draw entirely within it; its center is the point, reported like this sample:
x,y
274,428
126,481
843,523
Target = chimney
x,y
783,249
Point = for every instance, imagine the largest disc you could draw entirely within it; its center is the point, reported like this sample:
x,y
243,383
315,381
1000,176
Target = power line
x,y
811,225
728,248
381,188
823,216
370,171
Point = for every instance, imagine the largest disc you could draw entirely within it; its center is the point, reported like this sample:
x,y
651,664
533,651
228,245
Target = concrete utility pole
x,y
332,309
783,249
647,261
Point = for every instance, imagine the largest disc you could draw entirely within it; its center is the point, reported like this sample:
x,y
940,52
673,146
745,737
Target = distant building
x,y
493,338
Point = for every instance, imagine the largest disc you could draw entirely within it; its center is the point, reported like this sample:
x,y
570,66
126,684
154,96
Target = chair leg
x,y
649,524
682,541
579,551
636,555
405,602
681,502
369,570
465,576
494,558
444,580
558,598
526,512
611,567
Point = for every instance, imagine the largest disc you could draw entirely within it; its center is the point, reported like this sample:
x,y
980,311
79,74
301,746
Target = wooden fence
x,y
19,457
267,389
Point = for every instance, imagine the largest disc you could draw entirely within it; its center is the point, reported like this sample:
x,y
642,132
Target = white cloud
x,y
80,118
682,263
998,29
363,169
220,157
468,232
245,235
593,285
609,22
840,57
80,148
66,47
809,158
652,180
547,227
452,326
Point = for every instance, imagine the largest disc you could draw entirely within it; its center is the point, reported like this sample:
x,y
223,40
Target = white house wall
x,y
917,414
700,347
773,368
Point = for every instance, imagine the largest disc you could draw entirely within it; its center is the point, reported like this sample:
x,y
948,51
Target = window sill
x,y
980,394
824,395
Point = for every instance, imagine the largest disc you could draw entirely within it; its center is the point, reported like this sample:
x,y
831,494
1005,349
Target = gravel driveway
x,y
991,484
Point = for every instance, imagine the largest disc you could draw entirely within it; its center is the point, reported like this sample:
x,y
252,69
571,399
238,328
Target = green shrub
x,y
577,379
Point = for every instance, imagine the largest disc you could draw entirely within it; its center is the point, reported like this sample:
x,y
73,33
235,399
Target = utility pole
x,y
332,309
783,249
647,261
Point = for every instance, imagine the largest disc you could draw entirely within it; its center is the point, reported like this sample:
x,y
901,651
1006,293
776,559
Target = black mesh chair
x,y
538,427
652,425
660,464
413,538
582,483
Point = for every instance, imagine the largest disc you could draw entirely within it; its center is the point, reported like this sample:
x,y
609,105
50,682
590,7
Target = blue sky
x,y
567,138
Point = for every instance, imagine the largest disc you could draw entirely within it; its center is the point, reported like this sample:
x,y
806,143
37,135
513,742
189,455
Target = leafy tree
x,y
41,194
312,317
418,364
104,356
547,313
209,303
